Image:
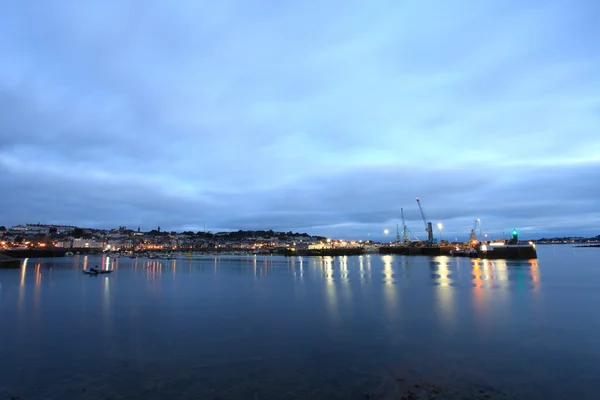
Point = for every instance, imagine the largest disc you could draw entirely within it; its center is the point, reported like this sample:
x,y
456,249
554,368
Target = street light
x,y
385,232
440,226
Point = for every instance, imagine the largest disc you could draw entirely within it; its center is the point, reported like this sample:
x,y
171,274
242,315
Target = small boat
x,y
92,272
97,271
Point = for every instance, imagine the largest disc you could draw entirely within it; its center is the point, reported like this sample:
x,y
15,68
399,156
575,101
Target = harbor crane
x,y
473,234
405,237
428,226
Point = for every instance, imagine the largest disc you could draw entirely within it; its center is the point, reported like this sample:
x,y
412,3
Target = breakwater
x,y
508,252
511,252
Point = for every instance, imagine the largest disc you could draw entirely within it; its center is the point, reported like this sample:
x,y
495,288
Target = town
x,y
61,239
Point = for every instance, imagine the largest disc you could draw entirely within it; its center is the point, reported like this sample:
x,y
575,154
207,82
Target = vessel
x,y
463,252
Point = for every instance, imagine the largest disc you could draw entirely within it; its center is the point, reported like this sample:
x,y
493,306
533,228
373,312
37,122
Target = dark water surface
x,y
292,328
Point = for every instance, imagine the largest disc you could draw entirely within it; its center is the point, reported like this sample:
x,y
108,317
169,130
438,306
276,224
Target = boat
x,y
464,252
89,272
97,271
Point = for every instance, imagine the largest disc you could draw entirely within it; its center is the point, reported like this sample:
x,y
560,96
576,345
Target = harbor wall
x,y
510,253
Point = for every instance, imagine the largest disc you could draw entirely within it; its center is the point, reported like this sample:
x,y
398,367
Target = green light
x,y
515,233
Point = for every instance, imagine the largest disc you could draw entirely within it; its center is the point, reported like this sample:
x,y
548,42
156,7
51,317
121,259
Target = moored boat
x,y
463,252
97,271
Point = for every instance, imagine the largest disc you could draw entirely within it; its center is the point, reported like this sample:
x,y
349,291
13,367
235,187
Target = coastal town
x,y
67,239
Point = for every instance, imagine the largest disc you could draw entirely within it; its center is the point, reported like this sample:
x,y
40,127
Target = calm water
x,y
283,328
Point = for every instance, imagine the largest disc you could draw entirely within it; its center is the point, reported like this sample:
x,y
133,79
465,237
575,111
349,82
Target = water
x,y
318,328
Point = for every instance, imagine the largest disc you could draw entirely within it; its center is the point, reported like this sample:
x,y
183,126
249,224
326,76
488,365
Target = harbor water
x,y
358,327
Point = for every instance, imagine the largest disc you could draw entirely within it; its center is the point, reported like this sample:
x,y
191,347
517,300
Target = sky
x,y
325,117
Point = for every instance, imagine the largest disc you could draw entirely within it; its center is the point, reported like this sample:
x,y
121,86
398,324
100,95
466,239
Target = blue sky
x,y
324,117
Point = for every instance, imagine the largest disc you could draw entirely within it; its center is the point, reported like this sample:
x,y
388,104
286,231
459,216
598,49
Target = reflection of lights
x,y
501,271
443,272
106,286
330,289
477,280
328,265
445,292
478,291
38,274
23,269
344,266
535,273
388,271
389,289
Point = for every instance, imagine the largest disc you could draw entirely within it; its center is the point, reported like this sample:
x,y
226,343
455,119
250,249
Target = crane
x,y
405,237
397,234
473,234
428,226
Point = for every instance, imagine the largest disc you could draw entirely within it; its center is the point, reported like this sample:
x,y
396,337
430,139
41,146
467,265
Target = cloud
x,y
327,117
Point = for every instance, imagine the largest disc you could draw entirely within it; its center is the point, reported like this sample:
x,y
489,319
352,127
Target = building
x,y
86,244
17,229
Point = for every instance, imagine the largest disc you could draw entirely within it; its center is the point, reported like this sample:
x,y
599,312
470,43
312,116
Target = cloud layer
x,y
319,117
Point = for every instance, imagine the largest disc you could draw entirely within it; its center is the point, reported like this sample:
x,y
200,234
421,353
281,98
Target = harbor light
x,y
440,226
386,231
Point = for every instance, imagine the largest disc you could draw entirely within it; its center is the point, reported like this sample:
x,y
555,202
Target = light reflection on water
x,y
390,293
444,290
288,312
